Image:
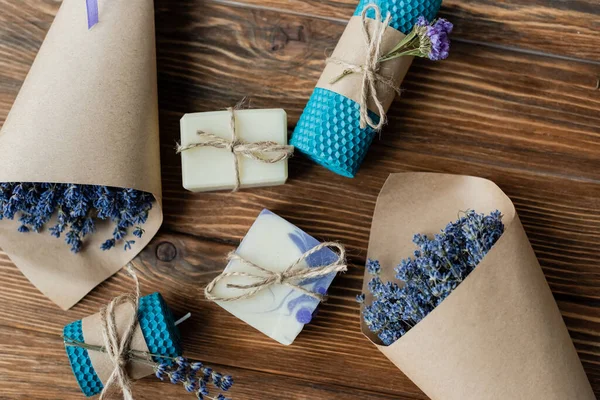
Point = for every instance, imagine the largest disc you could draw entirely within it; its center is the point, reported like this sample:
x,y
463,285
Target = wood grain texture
x,y
530,122
562,28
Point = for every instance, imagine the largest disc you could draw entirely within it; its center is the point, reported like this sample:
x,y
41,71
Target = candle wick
x,y
183,319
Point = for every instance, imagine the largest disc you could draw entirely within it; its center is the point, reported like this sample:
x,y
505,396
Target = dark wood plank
x,y
523,111
528,122
565,28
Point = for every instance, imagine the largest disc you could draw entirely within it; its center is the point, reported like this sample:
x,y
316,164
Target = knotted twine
x,y
115,346
291,276
370,69
258,151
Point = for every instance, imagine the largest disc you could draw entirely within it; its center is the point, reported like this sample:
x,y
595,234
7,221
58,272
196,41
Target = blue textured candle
x,y
329,130
159,330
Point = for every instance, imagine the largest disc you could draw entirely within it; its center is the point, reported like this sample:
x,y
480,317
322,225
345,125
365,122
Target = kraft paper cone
x,y
86,114
500,334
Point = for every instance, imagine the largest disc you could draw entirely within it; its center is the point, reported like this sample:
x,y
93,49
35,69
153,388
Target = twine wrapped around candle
x,y
370,69
291,276
116,346
266,152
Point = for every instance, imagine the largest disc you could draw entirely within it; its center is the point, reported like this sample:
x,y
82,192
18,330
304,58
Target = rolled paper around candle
x,y
329,131
156,333
279,311
207,168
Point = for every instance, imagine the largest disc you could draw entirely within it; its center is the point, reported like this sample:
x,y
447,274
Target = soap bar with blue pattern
x,y
329,131
156,334
279,311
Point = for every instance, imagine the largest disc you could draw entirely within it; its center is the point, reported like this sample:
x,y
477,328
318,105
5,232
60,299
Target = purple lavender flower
x,y
435,40
426,39
76,207
437,268
183,371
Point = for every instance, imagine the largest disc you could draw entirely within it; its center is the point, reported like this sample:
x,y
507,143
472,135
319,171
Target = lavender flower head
x,y
194,377
434,38
427,39
76,209
439,265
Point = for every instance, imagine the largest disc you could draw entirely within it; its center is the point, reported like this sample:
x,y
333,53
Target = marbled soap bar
x,y
279,311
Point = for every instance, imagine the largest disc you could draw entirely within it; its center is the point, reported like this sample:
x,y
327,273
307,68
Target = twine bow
x,y
117,347
291,276
267,152
370,69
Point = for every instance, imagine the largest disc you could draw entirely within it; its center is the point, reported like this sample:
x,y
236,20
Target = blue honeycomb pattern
x,y
159,330
328,131
81,364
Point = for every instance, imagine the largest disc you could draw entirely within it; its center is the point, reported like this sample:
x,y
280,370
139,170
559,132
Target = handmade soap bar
x,y
279,311
213,167
156,334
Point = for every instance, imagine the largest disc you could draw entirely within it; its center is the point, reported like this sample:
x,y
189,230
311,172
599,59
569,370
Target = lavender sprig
x,y
193,375
76,207
430,40
436,269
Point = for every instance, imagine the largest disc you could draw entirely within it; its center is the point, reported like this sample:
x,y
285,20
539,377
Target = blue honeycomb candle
x,y
156,334
329,130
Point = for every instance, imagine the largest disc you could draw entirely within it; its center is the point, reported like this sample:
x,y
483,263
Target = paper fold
x,y
86,114
500,334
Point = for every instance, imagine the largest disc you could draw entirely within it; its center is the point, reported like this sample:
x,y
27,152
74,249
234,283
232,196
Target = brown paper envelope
x,y
87,114
500,334
352,48
92,333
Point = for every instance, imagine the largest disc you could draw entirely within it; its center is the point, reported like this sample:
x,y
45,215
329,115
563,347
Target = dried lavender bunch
x,y
76,207
195,377
430,40
436,269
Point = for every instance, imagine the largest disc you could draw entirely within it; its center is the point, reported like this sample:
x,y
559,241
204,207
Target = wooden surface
x,y
517,102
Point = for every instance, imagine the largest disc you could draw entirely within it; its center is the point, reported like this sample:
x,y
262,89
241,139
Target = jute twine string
x,y
267,151
370,69
117,348
291,276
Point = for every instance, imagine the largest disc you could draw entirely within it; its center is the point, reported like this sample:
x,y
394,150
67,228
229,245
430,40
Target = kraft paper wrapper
x,y
352,48
92,333
86,114
500,334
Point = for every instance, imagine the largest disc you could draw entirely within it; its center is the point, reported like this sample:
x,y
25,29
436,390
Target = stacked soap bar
x,y
329,129
280,311
159,332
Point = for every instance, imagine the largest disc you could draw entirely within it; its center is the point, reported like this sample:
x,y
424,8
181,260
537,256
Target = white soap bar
x,y
279,311
209,168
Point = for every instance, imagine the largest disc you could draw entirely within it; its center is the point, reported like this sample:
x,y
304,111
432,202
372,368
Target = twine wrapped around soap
x,y
370,69
291,276
258,151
